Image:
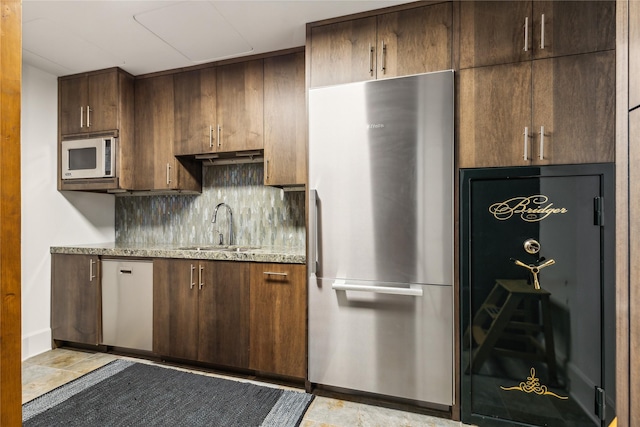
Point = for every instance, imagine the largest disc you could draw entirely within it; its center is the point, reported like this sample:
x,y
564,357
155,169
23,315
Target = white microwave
x,y
88,158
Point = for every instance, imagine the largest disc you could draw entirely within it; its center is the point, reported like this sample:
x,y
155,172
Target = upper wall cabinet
x,y
93,102
196,126
99,102
285,122
634,54
157,168
500,32
552,111
388,45
219,109
240,104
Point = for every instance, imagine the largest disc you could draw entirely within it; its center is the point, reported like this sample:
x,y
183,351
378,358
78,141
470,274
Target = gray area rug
x,y
125,393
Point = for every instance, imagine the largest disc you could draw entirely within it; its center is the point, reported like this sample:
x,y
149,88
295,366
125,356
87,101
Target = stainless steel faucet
x,y
213,221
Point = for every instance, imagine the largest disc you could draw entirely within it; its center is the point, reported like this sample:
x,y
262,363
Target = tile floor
x,y
54,368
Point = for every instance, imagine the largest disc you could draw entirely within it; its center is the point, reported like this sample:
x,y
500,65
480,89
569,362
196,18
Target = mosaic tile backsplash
x,y
262,215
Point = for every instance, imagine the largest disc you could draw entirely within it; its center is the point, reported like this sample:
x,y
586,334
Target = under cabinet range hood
x,y
380,260
231,158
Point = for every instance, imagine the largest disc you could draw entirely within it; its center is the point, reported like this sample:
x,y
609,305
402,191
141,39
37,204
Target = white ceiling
x,y
144,36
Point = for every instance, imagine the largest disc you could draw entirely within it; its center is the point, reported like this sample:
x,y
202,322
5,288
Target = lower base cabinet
x,y
201,311
278,319
236,314
75,298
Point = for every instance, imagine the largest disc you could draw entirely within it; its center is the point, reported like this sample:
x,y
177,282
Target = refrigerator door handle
x,y
313,232
340,285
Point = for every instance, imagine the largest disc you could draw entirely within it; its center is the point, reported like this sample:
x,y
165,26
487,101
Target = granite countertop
x,y
272,254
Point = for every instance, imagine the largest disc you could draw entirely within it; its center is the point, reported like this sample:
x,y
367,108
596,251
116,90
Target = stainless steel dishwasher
x,y
127,304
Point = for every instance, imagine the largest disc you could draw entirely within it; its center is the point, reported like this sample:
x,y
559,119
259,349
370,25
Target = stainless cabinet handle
x,y
91,275
266,169
541,143
88,117
219,131
384,58
371,49
211,136
542,31
339,285
313,232
272,273
168,173
191,282
200,282
81,117
526,34
526,143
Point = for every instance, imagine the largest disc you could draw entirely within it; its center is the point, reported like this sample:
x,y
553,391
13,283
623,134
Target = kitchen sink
x,y
239,248
223,248
203,248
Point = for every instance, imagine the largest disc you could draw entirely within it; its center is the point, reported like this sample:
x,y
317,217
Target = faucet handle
x,y
220,238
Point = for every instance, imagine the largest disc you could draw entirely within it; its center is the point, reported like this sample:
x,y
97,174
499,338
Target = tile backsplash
x,y
262,215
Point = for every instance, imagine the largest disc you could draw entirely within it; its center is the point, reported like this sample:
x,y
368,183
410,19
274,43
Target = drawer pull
x,y
526,34
271,273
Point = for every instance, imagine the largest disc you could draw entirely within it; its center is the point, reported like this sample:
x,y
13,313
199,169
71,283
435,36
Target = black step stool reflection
x,y
513,312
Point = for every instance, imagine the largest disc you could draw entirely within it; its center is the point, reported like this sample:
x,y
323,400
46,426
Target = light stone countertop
x,y
207,252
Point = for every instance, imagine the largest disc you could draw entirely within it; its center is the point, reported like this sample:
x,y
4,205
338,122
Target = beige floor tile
x,y
91,363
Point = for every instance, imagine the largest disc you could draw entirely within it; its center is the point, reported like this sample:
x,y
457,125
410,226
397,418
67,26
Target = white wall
x,y
49,218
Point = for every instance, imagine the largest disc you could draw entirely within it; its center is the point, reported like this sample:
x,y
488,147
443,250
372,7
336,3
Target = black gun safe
x,y
538,295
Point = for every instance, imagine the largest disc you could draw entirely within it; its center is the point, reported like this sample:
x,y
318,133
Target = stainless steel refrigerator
x,y
381,237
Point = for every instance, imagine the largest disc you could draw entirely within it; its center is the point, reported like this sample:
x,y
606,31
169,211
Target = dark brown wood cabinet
x,y
634,54
394,44
196,125
157,168
551,111
278,319
75,299
500,32
285,121
240,104
93,102
201,311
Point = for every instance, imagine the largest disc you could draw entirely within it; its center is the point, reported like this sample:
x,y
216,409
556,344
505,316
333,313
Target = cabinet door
x,y
572,27
343,52
224,313
634,54
75,298
240,106
175,308
574,103
495,109
285,121
414,41
73,100
156,166
195,111
154,132
494,32
102,114
278,319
